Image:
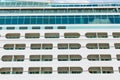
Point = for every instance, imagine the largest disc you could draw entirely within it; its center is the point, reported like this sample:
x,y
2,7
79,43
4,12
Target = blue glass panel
x,y
94,19
64,20
20,20
97,16
84,19
71,20
27,20
70,5
58,20
52,20
104,17
112,19
117,20
39,20
78,20
91,19
33,20
8,20
14,20
2,21
45,20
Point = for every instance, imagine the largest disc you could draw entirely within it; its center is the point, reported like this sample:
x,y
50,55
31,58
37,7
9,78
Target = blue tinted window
x,y
79,19
61,27
10,28
85,20
52,20
91,19
36,27
8,20
48,27
117,20
71,20
20,20
112,20
14,20
38,20
0,28
58,20
23,28
2,21
64,20
33,20
46,20
27,20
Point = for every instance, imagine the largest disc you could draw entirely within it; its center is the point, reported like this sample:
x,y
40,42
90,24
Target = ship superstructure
x,y
59,41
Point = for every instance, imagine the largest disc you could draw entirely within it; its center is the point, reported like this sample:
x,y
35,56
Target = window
x,y
35,58
74,46
102,35
93,57
92,46
17,70
47,57
51,35
91,35
102,57
23,28
95,35
9,46
20,46
104,46
107,70
46,70
5,70
116,34
13,35
7,58
76,70
75,57
118,57
63,70
61,27
32,35
0,28
96,19
71,35
34,70
19,57
117,45
63,46
35,46
48,27
105,57
35,27
94,70
10,28
47,46
63,58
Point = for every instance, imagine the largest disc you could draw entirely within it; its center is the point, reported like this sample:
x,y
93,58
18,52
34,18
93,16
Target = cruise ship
x,y
59,41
